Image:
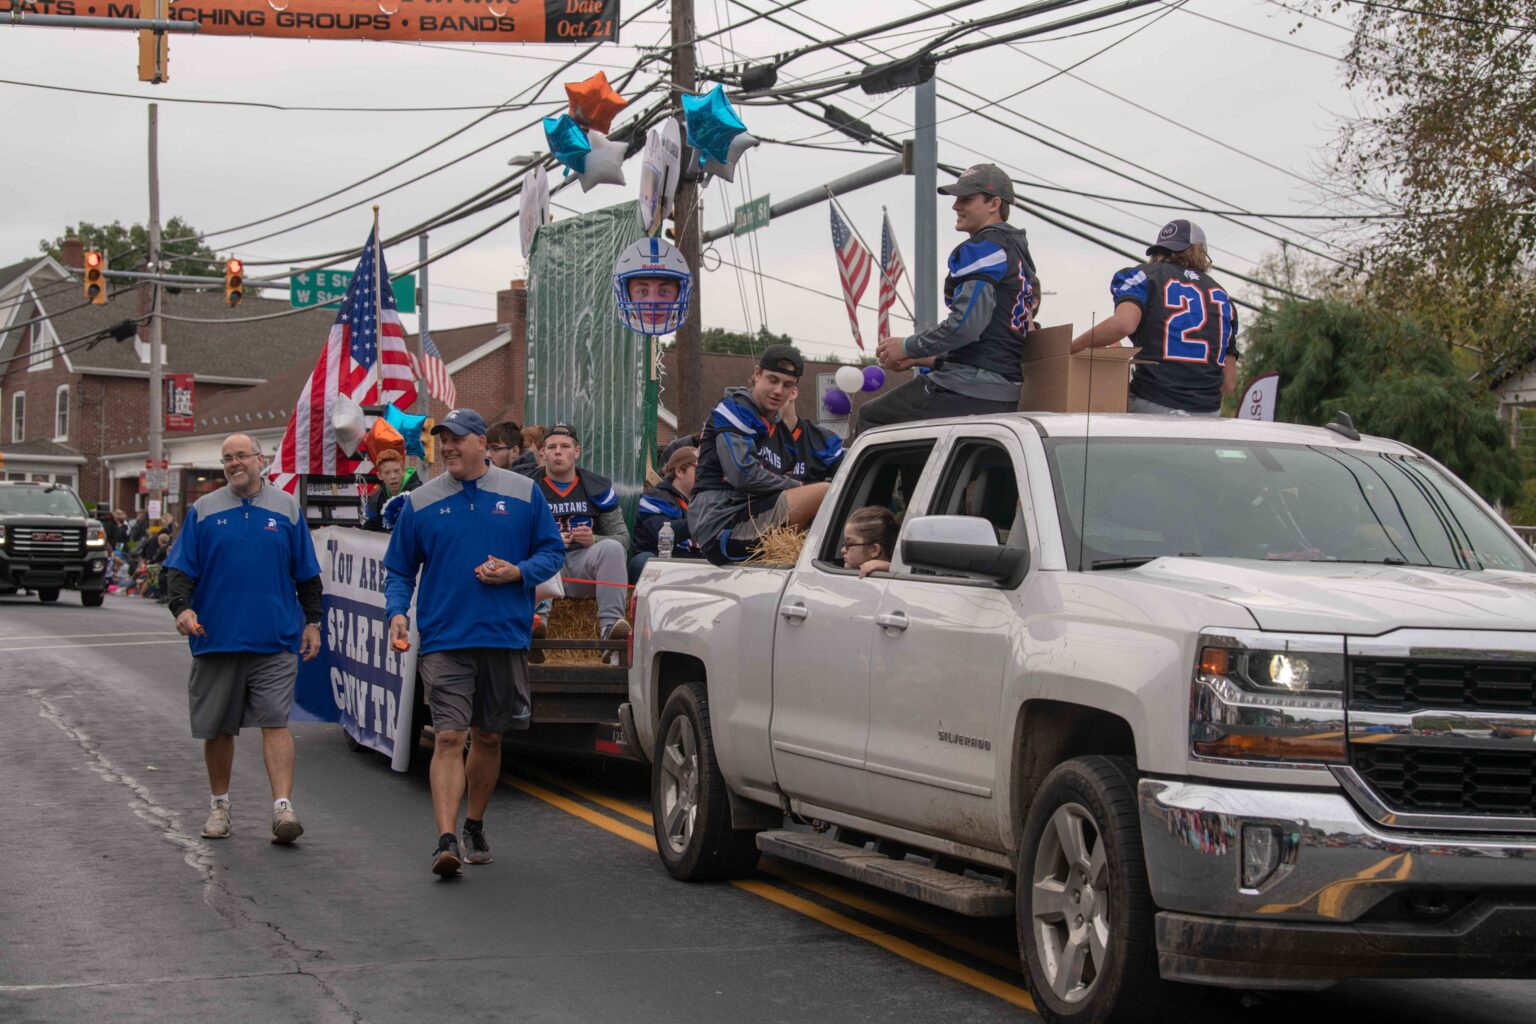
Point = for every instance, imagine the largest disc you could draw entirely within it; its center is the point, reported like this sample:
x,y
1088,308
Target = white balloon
x,y
348,422
849,379
739,145
533,207
605,164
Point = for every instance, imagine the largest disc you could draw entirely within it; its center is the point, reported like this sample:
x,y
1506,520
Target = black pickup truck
x,y
49,543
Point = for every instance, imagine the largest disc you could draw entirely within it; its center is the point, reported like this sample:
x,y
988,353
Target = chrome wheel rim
x,y
1069,903
679,784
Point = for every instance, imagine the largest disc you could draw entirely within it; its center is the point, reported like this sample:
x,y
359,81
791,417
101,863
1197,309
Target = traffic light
x,y
94,278
234,281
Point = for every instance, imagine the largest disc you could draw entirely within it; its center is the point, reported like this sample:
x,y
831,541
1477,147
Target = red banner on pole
x,y
464,21
178,402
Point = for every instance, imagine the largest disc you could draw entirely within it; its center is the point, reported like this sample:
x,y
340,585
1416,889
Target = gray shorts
x,y
484,687
1145,406
227,691
763,513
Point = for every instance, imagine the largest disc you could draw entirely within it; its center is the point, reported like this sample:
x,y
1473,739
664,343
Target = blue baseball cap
x,y
461,422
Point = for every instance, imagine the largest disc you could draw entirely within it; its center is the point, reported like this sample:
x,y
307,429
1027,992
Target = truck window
x,y
885,475
47,500
980,481
1127,498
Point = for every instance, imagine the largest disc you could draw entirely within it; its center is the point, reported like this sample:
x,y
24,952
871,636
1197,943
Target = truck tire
x,y
689,800
48,595
92,598
1084,910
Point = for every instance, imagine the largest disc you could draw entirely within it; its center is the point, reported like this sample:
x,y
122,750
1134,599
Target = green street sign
x,y
328,287
751,216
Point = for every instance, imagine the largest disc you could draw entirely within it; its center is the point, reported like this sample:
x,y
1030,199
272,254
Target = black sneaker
x,y
478,850
445,862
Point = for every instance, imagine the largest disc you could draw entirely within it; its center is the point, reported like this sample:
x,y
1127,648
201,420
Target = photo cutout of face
x,y
653,297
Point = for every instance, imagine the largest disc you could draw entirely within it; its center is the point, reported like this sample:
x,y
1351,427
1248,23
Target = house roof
x,y
41,448
15,270
270,404
238,348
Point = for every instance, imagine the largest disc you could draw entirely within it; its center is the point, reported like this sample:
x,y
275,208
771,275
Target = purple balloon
x,y
874,378
837,402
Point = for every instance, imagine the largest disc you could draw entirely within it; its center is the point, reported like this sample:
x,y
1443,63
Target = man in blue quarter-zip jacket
x,y
482,538
244,585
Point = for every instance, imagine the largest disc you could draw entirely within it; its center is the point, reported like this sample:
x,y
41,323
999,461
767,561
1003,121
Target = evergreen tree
x,y
1393,378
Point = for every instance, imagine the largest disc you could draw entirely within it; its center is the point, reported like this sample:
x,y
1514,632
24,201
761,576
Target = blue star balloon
x,y
568,141
409,427
712,124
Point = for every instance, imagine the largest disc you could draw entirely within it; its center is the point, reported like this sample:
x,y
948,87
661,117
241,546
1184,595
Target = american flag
x,y
355,349
435,372
891,269
853,268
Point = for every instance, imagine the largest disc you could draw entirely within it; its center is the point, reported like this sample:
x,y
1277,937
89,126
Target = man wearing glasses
x,y
244,585
504,444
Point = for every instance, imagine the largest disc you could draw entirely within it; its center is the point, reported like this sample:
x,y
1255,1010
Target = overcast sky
x,y
72,157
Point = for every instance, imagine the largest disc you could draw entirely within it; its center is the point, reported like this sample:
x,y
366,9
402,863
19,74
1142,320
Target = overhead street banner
x,y
465,21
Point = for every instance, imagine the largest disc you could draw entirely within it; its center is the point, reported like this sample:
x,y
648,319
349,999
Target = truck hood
x,y
1332,597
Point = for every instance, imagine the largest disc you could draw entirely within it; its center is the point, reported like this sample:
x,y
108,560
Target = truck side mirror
x,y
962,544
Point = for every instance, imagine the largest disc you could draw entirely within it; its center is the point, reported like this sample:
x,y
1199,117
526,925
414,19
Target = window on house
x,y
19,417
40,355
61,413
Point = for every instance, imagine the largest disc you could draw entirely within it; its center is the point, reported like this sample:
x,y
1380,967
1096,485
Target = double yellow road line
x,y
808,881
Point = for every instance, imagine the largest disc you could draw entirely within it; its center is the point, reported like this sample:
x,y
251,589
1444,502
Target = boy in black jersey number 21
x,y
1184,322
586,509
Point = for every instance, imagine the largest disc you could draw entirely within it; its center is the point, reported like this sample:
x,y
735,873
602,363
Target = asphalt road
x,y
112,908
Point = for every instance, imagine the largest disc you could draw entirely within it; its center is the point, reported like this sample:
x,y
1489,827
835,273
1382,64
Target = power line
x,y
1463,18
1265,35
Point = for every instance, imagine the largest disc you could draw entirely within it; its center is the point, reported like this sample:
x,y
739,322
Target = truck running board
x,y
972,897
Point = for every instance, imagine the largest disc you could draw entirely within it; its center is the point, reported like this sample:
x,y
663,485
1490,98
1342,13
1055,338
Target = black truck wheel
x,y
691,808
92,598
48,595
1084,909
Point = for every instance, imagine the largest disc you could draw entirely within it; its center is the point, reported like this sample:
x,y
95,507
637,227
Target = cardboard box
x,y
1055,380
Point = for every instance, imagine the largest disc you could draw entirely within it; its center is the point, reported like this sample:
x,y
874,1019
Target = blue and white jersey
x,y
1188,330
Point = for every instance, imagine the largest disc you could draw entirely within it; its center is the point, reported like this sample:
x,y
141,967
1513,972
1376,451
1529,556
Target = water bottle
x,y
664,541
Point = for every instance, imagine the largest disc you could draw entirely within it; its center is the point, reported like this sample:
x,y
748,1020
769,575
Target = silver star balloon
x,y
739,145
605,164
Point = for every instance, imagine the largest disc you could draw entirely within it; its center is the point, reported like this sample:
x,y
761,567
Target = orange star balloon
x,y
594,103
382,437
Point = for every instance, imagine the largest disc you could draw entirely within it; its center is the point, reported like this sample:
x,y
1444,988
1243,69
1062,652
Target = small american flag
x,y
435,372
364,353
853,267
891,269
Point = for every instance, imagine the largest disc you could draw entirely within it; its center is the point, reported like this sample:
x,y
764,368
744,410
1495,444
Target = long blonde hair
x,y
1193,258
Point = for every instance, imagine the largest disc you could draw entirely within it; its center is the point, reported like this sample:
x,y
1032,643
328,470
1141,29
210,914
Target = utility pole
x,y
690,355
156,352
925,171
423,400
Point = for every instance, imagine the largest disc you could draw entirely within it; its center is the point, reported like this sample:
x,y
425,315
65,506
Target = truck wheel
x,y
48,595
688,796
1084,910
92,598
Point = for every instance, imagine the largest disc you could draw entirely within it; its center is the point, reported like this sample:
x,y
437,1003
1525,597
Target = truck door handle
x,y
893,620
794,611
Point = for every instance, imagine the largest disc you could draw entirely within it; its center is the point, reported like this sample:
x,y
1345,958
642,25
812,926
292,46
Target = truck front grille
x,y
1407,684
50,542
1449,781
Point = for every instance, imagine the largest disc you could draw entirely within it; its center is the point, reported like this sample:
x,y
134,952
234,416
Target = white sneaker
x,y
218,824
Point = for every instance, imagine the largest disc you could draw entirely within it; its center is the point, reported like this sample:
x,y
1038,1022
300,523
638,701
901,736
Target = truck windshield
x,y
40,501
1143,499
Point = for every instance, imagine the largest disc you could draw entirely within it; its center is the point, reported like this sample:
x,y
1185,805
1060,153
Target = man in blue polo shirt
x,y
482,539
244,585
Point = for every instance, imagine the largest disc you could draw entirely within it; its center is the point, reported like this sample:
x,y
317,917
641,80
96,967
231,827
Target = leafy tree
x,y
738,343
128,247
1447,141
1393,378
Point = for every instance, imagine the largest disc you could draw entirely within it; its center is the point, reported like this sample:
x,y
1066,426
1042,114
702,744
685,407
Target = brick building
x,y
67,401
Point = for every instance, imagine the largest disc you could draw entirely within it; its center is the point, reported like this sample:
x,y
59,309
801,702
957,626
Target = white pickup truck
x,y
1198,701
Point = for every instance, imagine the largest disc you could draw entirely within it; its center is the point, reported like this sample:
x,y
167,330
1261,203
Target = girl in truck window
x,y
869,539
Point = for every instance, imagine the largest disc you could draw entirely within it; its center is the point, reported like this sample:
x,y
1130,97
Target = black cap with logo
x,y
783,359
562,429
983,179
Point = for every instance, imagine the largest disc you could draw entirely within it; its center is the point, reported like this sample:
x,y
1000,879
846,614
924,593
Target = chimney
x,y
72,255
512,304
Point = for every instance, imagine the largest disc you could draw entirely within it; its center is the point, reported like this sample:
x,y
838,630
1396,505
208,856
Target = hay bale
x,y
573,618
779,546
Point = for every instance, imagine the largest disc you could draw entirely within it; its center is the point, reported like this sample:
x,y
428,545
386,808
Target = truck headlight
x,y
95,537
1269,697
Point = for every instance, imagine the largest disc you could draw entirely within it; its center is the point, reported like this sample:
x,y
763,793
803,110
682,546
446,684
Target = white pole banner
x,y
373,684
1259,400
